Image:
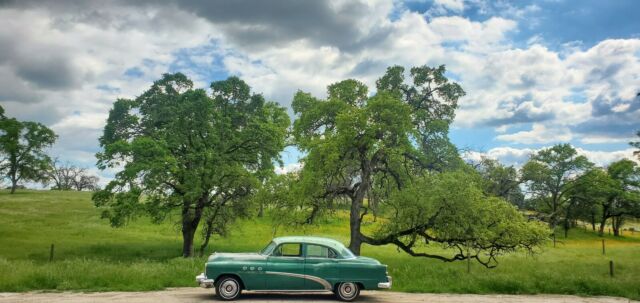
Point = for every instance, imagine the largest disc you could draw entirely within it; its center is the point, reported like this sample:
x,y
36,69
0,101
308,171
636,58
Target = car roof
x,y
311,240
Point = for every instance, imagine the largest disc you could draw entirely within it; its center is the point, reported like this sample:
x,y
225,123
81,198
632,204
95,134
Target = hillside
x,y
91,255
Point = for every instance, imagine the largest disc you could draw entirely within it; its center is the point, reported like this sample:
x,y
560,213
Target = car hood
x,y
236,256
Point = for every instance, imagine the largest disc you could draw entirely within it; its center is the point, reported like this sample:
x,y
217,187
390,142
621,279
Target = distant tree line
x,y
562,188
23,158
66,176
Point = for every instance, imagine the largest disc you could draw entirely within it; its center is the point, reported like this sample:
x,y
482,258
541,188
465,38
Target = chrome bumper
x,y
202,280
385,284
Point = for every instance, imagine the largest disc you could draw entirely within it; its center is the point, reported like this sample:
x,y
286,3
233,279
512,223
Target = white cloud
x,y
506,155
518,156
538,134
288,168
576,93
604,158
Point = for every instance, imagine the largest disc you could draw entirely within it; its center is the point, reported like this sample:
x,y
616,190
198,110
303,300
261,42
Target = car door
x,y
285,268
320,267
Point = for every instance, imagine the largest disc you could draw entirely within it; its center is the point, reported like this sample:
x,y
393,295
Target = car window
x,y
319,251
288,250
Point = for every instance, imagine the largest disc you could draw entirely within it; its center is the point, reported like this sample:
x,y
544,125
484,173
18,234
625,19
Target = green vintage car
x,y
294,264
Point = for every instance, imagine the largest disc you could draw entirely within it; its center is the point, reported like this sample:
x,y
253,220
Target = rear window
x,y
319,251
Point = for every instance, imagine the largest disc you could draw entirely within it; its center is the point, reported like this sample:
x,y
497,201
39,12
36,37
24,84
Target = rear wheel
x,y
347,291
228,288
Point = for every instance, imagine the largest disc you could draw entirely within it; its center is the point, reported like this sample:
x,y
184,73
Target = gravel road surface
x,y
196,294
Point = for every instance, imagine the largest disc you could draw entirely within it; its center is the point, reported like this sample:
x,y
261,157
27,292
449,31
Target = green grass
x,y
92,256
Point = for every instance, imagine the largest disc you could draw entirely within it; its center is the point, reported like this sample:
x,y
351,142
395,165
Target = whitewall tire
x,y
347,291
228,288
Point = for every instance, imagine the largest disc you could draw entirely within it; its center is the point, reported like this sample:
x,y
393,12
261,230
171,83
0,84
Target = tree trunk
x,y
553,219
617,225
601,229
354,226
207,236
261,210
605,216
567,224
14,181
188,234
593,221
190,223
357,200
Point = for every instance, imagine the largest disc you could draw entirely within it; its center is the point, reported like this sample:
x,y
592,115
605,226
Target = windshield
x,y
267,250
347,254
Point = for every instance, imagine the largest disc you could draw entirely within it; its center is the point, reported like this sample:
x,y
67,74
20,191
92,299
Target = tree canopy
x,y
548,175
389,153
66,176
178,148
622,193
22,146
501,181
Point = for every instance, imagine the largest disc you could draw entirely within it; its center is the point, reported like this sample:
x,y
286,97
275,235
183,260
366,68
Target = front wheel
x,y
347,291
228,288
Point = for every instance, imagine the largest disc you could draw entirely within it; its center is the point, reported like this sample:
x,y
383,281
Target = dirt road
x,y
193,294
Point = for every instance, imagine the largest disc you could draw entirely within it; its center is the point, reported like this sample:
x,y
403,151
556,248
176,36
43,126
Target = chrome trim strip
x,y
323,282
290,290
288,257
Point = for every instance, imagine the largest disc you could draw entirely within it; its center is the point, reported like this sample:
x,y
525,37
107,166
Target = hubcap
x,y
347,290
229,288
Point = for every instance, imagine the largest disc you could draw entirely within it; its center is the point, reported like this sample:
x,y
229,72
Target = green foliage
x,y
433,100
548,176
623,192
385,149
22,146
501,181
589,193
92,256
180,149
451,210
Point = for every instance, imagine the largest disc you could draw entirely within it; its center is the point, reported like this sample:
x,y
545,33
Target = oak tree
x,y
370,150
179,149
548,176
623,194
22,146
66,176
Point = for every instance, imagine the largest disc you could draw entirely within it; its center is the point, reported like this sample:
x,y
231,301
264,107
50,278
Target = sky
x,y
536,73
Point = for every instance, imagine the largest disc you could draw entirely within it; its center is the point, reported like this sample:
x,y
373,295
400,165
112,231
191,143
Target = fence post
x,y
603,252
554,239
51,253
611,268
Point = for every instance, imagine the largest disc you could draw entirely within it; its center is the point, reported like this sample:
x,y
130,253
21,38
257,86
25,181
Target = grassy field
x,y
92,256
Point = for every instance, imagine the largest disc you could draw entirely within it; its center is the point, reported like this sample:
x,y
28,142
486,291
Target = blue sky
x,y
536,73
